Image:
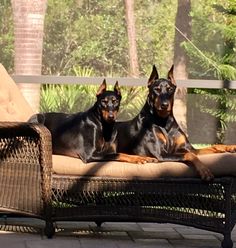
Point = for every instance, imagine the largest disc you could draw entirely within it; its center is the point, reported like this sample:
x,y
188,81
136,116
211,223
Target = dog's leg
x,y
192,159
203,171
216,149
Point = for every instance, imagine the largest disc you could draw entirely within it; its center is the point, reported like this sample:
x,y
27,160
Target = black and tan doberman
x,y
155,132
89,135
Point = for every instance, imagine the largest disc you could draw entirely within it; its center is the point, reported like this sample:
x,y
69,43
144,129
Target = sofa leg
x,y
49,229
227,241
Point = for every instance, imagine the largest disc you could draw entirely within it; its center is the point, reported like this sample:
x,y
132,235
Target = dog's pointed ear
x,y
171,75
102,88
154,75
117,88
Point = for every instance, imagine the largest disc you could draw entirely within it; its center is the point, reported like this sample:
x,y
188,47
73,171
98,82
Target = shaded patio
x,y
118,235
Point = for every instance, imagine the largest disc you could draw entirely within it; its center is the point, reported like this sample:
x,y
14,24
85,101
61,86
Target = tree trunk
x,y
130,21
28,31
183,29
183,25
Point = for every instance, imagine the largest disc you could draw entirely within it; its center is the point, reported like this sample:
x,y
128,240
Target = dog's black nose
x,y
164,105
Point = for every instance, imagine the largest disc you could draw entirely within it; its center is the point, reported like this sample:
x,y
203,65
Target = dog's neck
x,y
107,130
94,110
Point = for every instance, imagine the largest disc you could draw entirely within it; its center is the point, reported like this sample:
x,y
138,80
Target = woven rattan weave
x,y
209,206
25,170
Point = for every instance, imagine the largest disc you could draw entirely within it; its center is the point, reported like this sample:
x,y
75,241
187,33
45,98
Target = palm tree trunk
x,y
28,31
130,21
183,29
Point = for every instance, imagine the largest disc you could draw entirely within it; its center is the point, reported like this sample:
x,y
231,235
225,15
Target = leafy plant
x,y
6,35
213,52
68,97
133,99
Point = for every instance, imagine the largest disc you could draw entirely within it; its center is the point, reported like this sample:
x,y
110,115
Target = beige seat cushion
x,y
13,106
219,164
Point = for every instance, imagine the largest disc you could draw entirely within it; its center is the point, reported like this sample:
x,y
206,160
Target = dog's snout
x,y
164,105
111,115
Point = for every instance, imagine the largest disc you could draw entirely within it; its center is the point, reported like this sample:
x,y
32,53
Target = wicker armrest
x,y
25,169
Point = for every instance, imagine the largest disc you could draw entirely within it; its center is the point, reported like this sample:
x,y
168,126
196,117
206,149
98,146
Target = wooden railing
x,y
125,81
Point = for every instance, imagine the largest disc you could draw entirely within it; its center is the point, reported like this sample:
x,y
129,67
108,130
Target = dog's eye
x,y
170,90
114,101
157,90
104,102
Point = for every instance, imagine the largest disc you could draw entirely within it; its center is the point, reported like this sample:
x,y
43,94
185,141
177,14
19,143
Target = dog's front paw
x,y
231,148
205,174
152,160
144,160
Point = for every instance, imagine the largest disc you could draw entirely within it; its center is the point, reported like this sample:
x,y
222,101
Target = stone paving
x,y
28,233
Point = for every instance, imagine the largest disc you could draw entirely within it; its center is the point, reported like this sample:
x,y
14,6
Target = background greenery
x,y
215,57
89,38
92,34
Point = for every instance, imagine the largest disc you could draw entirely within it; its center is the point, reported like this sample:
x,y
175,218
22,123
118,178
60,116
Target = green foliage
x,y
199,146
213,65
213,46
212,51
226,102
89,37
133,99
155,24
93,34
68,98
6,35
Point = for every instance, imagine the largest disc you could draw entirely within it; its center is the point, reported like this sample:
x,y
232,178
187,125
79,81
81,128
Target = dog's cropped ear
x,y
102,88
117,89
171,75
154,75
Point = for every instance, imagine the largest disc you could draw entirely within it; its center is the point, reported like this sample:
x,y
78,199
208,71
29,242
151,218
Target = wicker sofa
x,y
51,187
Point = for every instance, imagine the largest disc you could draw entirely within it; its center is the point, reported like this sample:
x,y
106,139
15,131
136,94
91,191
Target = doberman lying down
x,y
89,135
154,131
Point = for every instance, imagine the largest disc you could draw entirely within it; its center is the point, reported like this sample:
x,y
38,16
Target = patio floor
x,y
16,233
